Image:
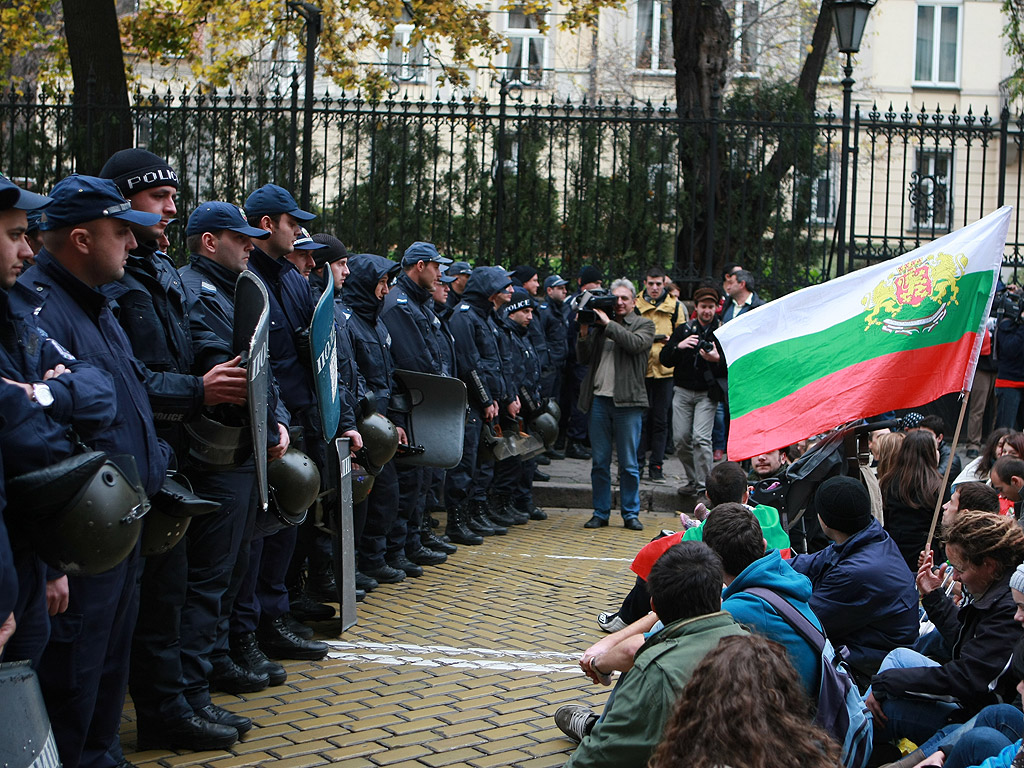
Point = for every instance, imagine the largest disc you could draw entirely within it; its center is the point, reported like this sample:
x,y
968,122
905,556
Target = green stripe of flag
x,y
777,370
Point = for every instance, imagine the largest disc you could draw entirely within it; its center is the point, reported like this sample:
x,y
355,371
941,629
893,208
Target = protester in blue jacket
x,y
865,597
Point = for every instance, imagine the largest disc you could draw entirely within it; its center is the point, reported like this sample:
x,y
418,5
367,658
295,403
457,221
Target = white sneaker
x,y
610,622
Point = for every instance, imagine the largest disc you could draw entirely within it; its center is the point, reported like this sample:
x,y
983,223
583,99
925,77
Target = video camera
x,y
1008,304
591,299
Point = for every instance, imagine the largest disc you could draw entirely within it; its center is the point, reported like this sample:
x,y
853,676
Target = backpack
x,y
840,707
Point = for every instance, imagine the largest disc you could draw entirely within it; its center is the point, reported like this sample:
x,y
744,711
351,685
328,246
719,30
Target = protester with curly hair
x,y
910,489
912,696
744,707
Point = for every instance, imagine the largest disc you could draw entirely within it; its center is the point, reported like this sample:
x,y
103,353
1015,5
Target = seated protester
x,y
913,696
970,495
910,490
765,465
1007,477
744,705
979,468
685,587
865,598
726,482
733,533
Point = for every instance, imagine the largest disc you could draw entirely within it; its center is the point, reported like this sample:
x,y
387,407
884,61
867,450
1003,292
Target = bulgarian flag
x,y
894,335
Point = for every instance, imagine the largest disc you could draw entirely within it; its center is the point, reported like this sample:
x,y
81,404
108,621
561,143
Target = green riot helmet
x,y
554,409
362,483
546,428
215,445
294,485
162,532
83,514
380,441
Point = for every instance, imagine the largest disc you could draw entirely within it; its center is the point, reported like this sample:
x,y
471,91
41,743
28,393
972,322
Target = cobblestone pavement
x,y
464,666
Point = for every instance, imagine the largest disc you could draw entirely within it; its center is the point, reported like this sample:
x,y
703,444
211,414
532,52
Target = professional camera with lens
x,y
589,300
1008,304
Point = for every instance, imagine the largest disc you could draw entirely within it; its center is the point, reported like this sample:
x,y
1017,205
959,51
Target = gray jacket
x,y
633,338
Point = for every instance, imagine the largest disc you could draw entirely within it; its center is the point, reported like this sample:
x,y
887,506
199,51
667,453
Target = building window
x,y
407,62
931,204
937,58
654,36
824,194
747,14
527,47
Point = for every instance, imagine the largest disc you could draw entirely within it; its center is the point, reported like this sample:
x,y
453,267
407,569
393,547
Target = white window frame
x,y
658,67
933,81
528,37
408,70
743,28
927,184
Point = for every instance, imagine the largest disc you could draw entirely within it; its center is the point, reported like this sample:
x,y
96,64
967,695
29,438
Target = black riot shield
x,y
343,548
26,739
250,339
436,408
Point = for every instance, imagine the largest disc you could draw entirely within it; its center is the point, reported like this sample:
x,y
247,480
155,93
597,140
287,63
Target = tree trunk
x,y
701,43
101,90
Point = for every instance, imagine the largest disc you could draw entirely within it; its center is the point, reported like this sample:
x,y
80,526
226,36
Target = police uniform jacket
x,y
549,317
348,371
414,328
477,353
151,303
370,336
79,318
443,313
527,365
211,291
291,311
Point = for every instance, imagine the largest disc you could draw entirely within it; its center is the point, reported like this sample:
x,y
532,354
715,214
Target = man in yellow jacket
x,y
666,313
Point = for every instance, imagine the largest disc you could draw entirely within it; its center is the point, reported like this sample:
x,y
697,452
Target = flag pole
x,y
966,394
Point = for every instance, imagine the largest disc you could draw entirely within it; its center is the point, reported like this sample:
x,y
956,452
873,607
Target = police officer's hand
x,y
355,440
6,630
225,383
283,440
57,595
26,388
491,412
403,439
514,407
56,371
602,318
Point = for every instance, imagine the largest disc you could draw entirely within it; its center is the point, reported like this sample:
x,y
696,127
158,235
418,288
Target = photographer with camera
x,y
1008,351
699,384
615,350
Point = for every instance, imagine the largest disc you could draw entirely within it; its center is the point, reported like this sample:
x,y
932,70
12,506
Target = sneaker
x,y
610,622
656,473
575,721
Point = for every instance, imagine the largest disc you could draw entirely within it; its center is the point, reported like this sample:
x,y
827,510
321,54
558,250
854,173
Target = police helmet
x,y
546,426
83,515
554,409
161,532
362,483
294,485
217,445
380,442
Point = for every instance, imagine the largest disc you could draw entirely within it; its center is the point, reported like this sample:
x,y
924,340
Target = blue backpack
x,y
840,707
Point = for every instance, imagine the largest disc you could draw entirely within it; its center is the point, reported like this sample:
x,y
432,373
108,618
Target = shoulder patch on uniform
x,y
402,300
463,307
60,349
207,287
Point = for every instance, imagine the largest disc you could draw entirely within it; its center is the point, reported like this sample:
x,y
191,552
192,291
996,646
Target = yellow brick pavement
x,y
461,668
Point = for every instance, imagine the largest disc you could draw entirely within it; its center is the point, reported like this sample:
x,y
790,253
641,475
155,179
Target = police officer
x,y
478,359
291,310
87,237
363,294
460,270
45,390
550,317
416,341
152,306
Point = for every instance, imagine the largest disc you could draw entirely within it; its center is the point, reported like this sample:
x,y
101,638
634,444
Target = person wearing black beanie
x,y
863,592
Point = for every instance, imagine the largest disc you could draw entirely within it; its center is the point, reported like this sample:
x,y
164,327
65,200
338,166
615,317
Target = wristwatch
x,y
41,394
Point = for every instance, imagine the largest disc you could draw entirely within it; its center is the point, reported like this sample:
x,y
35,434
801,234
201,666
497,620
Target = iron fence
x,y
559,184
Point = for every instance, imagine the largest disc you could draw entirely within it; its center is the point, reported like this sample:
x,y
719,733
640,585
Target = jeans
x,y
693,418
608,422
1003,720
1007,406
914,719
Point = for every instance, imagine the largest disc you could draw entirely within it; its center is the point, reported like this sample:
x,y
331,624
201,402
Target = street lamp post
x,y
849,18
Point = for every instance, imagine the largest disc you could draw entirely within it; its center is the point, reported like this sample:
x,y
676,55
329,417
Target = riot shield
x,y
343,548
26,738
323,350
436,418
250,339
